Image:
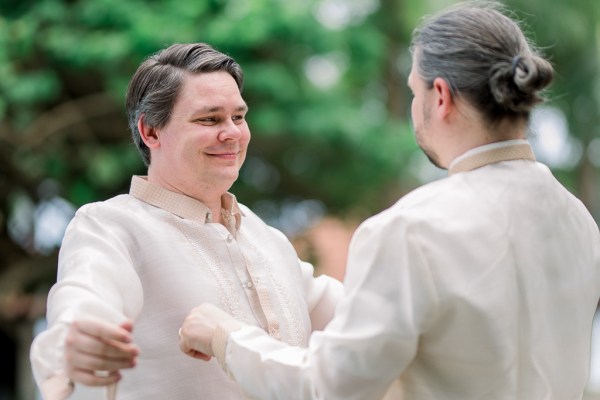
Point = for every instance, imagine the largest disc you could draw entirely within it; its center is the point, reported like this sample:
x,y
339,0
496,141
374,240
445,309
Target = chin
x,y
231,177
431,156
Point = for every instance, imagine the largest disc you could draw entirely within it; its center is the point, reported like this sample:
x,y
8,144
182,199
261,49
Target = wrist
x,y
220,337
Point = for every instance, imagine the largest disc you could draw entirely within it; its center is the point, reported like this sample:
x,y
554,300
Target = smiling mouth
x,y
227,155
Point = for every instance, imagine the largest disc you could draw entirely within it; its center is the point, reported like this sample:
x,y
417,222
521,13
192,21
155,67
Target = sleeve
x,y
322,295
95,279
390,299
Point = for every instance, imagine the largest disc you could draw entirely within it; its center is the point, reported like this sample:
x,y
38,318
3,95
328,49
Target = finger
x,y
91,362
189,350
95,345
189,342
81,342
199,355
119,349
127,325
91,378
104,330
193,353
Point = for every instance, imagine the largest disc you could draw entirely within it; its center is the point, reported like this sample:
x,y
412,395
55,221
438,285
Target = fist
x,y
197,331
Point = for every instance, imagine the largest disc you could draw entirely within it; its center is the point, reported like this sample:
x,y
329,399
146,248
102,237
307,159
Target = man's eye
x,y
207,120
238,118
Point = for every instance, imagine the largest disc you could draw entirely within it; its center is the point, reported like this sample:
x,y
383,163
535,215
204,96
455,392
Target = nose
x,y
230,131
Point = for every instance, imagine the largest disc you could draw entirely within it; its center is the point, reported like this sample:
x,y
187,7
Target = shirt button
x,y
274,330
249,284
275,334
229,238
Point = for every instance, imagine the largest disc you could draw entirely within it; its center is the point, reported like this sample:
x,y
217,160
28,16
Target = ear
x,y
148,133
444,102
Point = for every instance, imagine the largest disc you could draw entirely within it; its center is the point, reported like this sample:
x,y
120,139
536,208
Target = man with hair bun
x,y
482,285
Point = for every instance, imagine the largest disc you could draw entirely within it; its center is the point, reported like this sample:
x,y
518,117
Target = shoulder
x,y
120,204
417,206
259,229
116,211
251,221
434,211
246,211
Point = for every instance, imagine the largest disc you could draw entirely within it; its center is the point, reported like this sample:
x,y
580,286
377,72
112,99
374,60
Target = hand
x,y
95,351
197,331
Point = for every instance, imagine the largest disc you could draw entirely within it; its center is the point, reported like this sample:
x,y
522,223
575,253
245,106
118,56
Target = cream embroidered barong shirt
x,y
151,256
479,286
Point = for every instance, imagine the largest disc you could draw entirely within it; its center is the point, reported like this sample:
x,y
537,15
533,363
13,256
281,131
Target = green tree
x,y
318,96
568,33
325,82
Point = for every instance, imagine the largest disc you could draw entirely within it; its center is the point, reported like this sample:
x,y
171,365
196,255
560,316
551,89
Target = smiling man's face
x,y
204,144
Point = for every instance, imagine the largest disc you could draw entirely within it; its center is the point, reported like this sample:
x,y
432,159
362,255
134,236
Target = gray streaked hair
x,y
484,57
155,86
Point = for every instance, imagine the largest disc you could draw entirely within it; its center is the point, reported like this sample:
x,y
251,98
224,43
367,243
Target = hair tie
x,y
515,64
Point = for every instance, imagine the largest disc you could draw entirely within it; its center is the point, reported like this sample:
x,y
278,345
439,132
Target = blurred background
x,y
329,113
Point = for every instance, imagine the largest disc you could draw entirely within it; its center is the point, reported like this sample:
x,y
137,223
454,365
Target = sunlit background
x,y
329,114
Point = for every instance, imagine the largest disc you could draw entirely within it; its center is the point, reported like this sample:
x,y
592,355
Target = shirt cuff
x,y
219,340
57,387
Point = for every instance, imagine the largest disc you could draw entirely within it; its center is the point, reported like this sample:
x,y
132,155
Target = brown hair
x,y
154,87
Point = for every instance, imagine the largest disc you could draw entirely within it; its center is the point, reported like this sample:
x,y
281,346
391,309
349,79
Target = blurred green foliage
x,y
326,87
325,82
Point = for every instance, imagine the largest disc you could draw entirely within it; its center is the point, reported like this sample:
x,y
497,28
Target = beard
x,y
431,156
419,136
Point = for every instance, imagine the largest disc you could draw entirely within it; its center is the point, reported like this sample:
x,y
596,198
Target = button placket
x,y
274,330
263,293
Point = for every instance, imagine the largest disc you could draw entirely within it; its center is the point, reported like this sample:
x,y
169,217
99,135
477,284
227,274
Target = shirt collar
x,y
506,150
184,206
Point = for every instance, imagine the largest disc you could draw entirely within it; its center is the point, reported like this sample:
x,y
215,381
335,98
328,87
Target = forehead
x,y
209,87
412,74
415,79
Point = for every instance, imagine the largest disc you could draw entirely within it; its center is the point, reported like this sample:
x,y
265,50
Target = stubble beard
x,y
429,153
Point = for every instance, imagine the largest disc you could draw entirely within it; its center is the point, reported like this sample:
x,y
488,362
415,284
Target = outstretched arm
x,y
389,301
90,309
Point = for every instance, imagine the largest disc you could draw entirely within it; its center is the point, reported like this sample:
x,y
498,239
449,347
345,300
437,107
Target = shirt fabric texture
x,y
153,255
482,285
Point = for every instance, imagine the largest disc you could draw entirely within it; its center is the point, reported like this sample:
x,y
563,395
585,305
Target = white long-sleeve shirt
x,y
479,286
153,255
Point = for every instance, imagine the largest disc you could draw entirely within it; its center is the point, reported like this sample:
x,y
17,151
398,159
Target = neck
x,y
209,196
471,134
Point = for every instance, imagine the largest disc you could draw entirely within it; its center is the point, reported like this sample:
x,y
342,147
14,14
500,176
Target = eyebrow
x,y
210,109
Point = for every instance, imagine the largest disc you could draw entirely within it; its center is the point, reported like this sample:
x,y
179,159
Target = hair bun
x,y
516,85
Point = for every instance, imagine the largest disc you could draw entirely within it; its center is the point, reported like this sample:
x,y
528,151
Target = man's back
x,y
513,259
